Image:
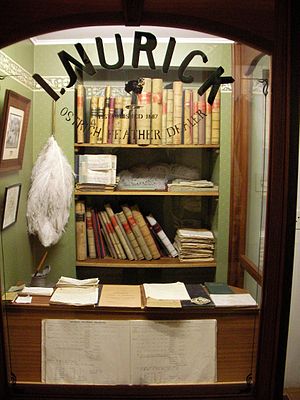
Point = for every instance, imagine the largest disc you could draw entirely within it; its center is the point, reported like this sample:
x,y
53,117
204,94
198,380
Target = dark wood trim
x,y
251,268
132,11
281,203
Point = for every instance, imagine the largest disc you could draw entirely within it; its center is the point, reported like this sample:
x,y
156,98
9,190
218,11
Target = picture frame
x,y
10,205
15,117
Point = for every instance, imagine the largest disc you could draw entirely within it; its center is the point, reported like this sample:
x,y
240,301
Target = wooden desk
x,y
237,331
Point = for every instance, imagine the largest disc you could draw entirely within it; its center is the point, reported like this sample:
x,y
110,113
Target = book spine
x,y
126,237
81,245
96,234
208,122
117,119
164,117
195,118
156,111
107,236
130,235
93,119
170,130
118,231
100,119
90,234
137,215
177,113
80,113
114,237
106,114
215,119
137,232
187,134
125,120
143,120
202,122
161,234
111,116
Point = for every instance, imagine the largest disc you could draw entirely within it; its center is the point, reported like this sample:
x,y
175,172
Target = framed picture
x,y
15,116
11,205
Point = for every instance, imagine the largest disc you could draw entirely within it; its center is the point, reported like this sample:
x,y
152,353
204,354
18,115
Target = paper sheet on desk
x,y
166,291
37,291
233,300
76,296
120,296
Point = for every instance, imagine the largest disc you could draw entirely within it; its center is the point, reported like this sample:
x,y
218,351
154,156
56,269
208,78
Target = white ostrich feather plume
x,y
50,194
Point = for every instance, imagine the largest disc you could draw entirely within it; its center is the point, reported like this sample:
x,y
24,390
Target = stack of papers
x,y
77,292
195,245
165,294
36,291
185,185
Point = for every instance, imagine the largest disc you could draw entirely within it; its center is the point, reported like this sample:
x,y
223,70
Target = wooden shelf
x,y
150,146
160,263
206,193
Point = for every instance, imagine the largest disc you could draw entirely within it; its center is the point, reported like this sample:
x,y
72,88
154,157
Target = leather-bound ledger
x,y
93,119
177,112
118,112
162,236
80,113
81,245
208,122
106,114
187,128
107,236
113,236
125,120
90,234
111,116
195,108
170,130
130,235
215,119
164,117
100,119
138,216
156,111
143,114
202,123
118,231
137,232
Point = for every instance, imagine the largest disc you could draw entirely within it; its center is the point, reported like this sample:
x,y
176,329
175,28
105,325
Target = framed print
x,y
11,205
15,116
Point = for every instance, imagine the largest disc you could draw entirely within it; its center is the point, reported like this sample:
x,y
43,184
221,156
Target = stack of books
x,y
96,172
195,245
126,234
159,115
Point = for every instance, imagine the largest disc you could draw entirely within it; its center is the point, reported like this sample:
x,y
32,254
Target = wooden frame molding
x,y
251,268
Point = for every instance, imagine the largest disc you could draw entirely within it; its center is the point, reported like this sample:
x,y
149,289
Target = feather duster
x,y
50,194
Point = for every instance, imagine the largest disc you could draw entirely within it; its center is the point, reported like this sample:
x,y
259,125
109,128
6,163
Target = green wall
x,y
45,61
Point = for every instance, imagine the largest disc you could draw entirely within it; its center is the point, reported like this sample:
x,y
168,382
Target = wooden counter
x,y
237,330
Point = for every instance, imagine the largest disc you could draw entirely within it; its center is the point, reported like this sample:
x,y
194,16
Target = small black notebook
x,y
194,291
218,288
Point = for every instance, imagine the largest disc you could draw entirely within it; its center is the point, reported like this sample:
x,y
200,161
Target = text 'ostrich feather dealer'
x,y
50,194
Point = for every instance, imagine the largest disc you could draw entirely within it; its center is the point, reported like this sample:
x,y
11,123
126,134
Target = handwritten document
x,y
120,296
128,352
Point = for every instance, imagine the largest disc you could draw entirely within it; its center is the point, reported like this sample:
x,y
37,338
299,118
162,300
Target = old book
x,y
137,232
100,119
113,236
125,120
138,216
126,237
93,119
187,128
161,234
215,119
111,120
195,108
90,234
118,111
118,231
202,123
208,122
80,113
81,245
106,114
143,115
132,119
107,237
130,235
177,113
164,117
120,296
170,130
95,223
156,111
